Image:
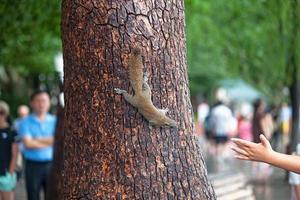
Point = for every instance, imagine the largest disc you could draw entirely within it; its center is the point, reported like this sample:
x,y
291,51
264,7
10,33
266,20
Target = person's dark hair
x,y
38,92
9,120
257,104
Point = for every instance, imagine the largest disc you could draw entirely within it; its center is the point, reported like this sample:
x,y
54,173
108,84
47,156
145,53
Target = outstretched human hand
x,y
252,151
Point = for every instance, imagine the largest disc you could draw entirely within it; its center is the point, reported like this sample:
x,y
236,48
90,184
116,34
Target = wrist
x,y
269,158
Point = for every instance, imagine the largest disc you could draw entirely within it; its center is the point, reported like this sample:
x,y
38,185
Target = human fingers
x,y
241,157
242,143
240,151
265,141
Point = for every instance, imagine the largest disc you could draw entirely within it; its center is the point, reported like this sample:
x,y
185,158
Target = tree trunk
x,y
109,151
55,181
294,93
293,68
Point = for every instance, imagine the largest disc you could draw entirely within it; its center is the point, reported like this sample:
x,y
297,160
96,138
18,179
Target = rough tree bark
x,y
109,151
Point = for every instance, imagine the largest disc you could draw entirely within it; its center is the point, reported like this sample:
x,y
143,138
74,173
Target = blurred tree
x,y
292,64
29,40
257,40
246,38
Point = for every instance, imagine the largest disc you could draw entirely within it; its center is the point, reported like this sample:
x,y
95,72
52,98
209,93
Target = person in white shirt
x,y
222,123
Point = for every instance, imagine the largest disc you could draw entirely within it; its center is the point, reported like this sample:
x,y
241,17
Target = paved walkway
x,y
236,180
20,191
242,179
232,186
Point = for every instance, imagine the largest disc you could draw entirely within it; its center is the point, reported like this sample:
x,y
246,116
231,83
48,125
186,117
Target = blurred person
x,y
221,121
258,115
261,124
284,120
208,134
222,124
275,139
244,128
294,180
23,112
37,132
202,112
8,155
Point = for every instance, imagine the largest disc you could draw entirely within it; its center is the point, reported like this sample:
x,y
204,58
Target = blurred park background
x,y
241,49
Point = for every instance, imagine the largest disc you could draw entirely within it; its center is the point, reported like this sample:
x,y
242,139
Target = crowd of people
x,y
220,122
27,141
259,129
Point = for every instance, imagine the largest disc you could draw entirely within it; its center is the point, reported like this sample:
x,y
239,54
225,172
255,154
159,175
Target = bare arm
x,y
284,161
37,143
14,155
262,152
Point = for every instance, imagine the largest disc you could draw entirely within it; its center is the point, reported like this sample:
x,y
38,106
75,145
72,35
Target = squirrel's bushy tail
x,y
136,70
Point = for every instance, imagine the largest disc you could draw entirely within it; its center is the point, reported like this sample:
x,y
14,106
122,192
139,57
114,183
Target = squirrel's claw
x,y
145,78
119,91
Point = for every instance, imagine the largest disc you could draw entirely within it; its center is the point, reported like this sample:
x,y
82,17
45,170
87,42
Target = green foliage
x,y
29,36
244,38
29,40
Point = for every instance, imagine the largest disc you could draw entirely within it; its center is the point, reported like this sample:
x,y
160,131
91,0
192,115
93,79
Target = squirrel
x,y
142,98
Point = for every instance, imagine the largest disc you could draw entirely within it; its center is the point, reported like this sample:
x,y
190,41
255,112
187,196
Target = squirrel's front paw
x,y
119,91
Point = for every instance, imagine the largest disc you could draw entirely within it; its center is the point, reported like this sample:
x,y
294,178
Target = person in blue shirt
x,y
37,133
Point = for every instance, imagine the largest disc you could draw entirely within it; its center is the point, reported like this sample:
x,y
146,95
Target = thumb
x,y
264,141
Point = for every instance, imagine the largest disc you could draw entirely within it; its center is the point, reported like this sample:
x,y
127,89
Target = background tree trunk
x,y
109,151
293,69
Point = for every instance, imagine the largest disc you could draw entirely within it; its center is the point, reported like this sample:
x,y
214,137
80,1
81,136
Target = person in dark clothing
x,y
262,124
258,116
8,155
